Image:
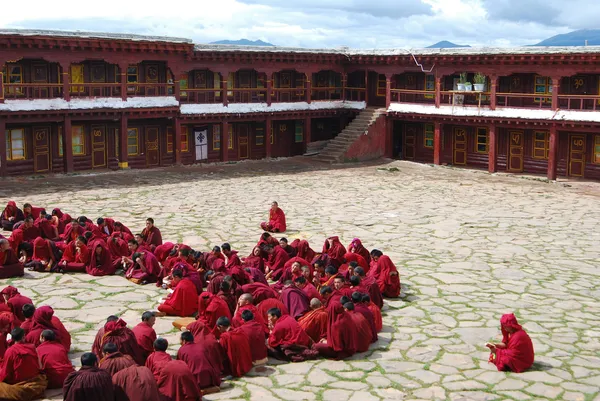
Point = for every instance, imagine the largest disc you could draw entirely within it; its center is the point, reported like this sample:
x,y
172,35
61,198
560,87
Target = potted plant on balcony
x,y
479,80
462,81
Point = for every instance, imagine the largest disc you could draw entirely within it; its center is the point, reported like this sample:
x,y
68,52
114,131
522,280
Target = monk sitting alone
x,y
276,223
90,383
515,352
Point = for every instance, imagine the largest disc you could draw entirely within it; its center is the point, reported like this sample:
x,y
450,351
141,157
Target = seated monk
x,y
231,257
257,276
228,296
44,319
118,333
60,220
177,383
360,307
213,257
214,280
97,345
10,216
90,383
335,250
101,260
10,266
8,322
287,340
205,366
371,285
28,311
105,225
30,230
303,284
114,361
515,352
135,383
364,333
267,239
342,340
144,333
25,252
159,358
211,308
256,338
246,302
15,301
184,300
357,247
259,292
283,243
72,231
47,229
236,349
340,284
20,376
151,235
122,231
255,260
277,258
276,223
366,300
331,272
118,249
295,300
330,296
357,258
314,323
163,251
76,256
145,268
385,273
303,249
264,306
45,256
54,359
291,271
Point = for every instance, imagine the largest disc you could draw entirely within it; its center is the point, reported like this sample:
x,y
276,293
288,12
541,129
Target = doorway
x,y
515,151
152,154
460,147
576,155
98,146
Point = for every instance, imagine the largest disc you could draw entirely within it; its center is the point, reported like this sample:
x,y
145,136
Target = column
x,y
388,91
307,129
177,141
65,81
177,90
553,153
493,149
366,87
123,154
68,145
389,137
344,84
2,148
1,82
555,90
438,90
493,89
437,143
269,87
268,134
224,76
308,87
225,141
123,68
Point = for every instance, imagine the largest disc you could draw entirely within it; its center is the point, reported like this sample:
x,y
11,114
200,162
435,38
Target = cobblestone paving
x,y
469,247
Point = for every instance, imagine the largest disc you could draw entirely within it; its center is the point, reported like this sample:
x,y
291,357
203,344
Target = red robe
x,y
119,334
237,320
44,319
135,383
314,323
177,383
356,257
256,338
76,261
276,221
20,364
162,251
287,331
16,301
363,331
55,363
204,365
145,337
518,355
157,361
311,292
386,274
10,266
303,250
89,384
211,308
335,251
152,237
276,261
116,362
373,289
100,265
270,303
296,301
237,348
357,247
341,332
183,301
152,272
376,315
259,292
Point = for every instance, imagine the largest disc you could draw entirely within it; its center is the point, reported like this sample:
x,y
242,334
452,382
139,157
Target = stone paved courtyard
x,y
469,247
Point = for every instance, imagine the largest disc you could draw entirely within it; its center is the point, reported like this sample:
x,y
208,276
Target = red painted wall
x,y
370,146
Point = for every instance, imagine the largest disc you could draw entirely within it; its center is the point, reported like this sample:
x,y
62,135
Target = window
x,y
230,83
60,143
299,134
260,136
185,143
132,74
541,145
596,157
543,85
429,135
169,140
429,85
15,144
132,141
14,75
183,85
78,138
230,137
77,77
216,137
381,85
217,83
482,140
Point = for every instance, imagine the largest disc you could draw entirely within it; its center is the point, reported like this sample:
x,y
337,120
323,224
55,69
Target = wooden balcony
x,y
32,91
327,93
356,94
287,95
95,90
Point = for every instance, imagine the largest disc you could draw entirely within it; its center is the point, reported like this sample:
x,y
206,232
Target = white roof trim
x,y
245,108
88,103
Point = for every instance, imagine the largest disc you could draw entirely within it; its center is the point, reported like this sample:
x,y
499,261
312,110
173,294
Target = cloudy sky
x,y
319,23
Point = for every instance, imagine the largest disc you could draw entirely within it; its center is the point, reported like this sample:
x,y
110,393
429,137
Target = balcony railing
x,y
247,95
524,100
95,90
33,91
150,89
201,95
465,98
356,94
326,93
412,96
579,102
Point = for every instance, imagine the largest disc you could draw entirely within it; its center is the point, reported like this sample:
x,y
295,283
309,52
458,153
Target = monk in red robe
x,y
342,341
113,360
246,302
291,270
145,268
20,376
101,260
205,367
72,231
295,300
366,301
89,383
11,215
371,285
47,229
8,322
45,256
105,225
276,223
259,292
118,249
287,341
256,338
364,333
255,259
307,287
268,304
210,308
159,358
10,265
275,262
228,296
44,319
97,345
236,348
76,256
314,323
385,273
515,353
54,360
135,383
184,300
151,235
330,296
122,231
30,231
144,333
291,251
118,333
303,249
335,250
28,312
177,383
357,247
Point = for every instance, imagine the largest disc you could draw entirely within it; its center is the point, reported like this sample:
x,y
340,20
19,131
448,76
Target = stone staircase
x,y
314,148
335,149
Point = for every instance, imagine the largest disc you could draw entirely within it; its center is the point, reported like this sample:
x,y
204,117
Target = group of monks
x,y
283,300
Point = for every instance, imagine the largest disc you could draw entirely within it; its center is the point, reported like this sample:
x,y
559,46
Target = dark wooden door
x,y
243,142
98,146
409,142
282,137
41,149
460,146
515,151
576,155
152,149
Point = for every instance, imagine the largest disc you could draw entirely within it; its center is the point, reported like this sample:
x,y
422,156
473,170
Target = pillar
x,y
307,129
308,87
225,141
553,153
177,141
344,84
389,137
65,81
2,148
224,76
269,88
555,90
388,91
268,134
367,87
1,82
123,68
177,90
123,154
438,90
437,143
493,149
68,145
493,89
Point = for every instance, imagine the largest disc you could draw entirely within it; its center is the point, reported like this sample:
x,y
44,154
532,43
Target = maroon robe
x,y
135,383
368,315
116,362
314,323
296,301
211,308
177,383
259,292
363,331
103,264
157,361
16,301
152,237
335,251
237,348
342,341
44,319
119,334
89,384
271,303
55,363
145,337
202,363
10,266
256,339
276,262
183,301
237,320
518,356
288,332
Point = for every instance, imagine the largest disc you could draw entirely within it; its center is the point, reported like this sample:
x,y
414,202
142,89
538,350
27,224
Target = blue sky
x,y
320,23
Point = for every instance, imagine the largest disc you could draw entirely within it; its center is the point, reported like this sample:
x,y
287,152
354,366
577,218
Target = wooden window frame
x,y
75,88
230,84
260,136
547,84
185,139
299,132
216,137
429,96
545,148
478,136
137,141
379,87
596,150
10,148
230,138
82,144
428,135
170,144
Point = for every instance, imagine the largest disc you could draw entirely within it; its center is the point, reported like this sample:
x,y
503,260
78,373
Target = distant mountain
x,y
242,42
444,44
575,38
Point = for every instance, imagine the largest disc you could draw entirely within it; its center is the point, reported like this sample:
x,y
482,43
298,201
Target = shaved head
x,y
315,303
247,298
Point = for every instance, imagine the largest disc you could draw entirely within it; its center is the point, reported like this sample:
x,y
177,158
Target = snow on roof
x,y
94,35
88,103
244,108
528,114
